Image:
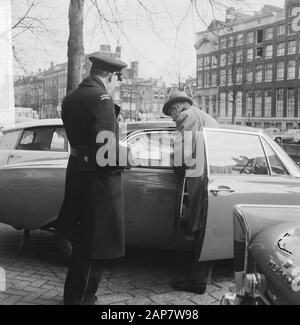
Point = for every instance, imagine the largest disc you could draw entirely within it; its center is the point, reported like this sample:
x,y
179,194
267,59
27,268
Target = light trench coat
x,y
189,146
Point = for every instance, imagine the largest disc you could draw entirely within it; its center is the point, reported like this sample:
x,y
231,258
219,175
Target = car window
x,y
27,137
152,149
235,154
276,165
59,140
37,138
9,139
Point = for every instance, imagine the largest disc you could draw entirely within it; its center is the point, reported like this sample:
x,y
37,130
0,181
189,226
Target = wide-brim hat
x,y
179,96
107,63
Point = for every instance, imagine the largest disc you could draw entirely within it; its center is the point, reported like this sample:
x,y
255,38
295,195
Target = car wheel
x,y
63,247
278,140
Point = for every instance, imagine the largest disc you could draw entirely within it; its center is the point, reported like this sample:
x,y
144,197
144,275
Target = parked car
x,y
266,255
279,136
46,139
244,166
295,133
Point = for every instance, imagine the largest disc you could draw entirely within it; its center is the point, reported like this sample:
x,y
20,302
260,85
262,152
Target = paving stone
x,y
140,301
219,294
11,300
114,298
30,297
38,283
50,294
204,299
164,297
37,278
121,287
19,285
138,293
160,288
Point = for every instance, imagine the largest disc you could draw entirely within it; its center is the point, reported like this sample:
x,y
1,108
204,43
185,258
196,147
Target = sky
x,y
160,34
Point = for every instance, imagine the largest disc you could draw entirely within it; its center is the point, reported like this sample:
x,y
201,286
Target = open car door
x,y
151,190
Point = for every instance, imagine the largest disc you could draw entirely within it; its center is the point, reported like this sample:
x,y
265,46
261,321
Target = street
x,y
36,276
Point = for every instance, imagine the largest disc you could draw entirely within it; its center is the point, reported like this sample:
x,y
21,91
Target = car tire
x,y
278,140
63,247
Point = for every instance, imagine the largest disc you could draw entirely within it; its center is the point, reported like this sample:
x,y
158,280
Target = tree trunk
x,y
75,44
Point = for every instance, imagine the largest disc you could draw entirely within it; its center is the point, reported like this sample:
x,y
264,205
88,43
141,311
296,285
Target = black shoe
x,y
189,286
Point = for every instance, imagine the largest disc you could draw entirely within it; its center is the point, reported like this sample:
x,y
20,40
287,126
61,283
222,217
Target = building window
x,y
223,59
229,77
291,47
249,54
281,30
258,103
230,104
206,79
259,36
223,43
280,48
239,75
206,62
200,63
239,104
239,56
239,39
291,73
250,36
259,52
268,71
222,104
200,80
280,70
279,102
223,78
214,78
291,31
269,33
290,102
269,51
206,104
214,61
258,73
230,41
249,75
298,102
268,102
249,103
230,58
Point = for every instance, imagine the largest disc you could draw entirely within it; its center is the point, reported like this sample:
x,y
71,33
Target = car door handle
x,y
222,189
14,156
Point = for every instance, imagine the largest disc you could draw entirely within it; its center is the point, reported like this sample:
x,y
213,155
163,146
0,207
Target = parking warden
x,y
92,215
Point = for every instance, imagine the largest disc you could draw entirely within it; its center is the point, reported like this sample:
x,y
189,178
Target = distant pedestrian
x,y
91,216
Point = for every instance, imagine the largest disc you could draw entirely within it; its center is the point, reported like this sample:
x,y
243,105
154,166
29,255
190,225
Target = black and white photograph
x,y
150,155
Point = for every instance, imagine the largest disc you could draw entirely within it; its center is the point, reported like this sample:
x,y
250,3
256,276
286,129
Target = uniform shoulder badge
x,y
105,97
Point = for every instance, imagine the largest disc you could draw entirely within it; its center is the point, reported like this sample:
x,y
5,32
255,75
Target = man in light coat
x,y
189,157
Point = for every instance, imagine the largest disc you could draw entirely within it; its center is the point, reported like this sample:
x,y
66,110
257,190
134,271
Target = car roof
x,y
33,123
131,126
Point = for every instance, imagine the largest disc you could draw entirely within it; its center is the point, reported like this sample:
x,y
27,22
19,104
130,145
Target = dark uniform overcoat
x,y
92,210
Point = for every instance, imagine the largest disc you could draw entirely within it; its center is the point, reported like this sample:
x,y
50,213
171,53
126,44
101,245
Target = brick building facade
x,y
44,91
248,68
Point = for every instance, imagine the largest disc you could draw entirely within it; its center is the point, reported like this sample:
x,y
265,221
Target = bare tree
x,y
26,21
75,43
